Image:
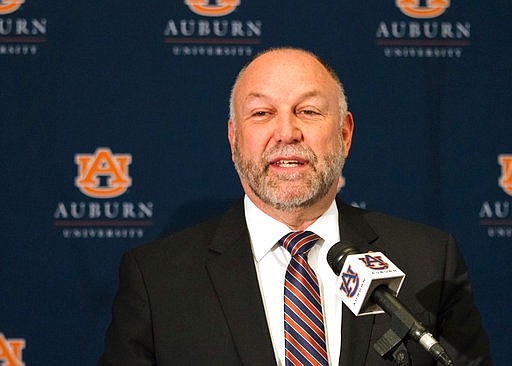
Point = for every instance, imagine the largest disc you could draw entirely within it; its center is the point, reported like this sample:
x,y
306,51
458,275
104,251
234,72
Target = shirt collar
x,y
266,231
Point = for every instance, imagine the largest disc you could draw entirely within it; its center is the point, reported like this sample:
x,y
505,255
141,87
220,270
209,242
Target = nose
x,y
287,128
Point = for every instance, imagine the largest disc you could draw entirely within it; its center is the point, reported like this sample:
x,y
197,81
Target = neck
x,y
297,219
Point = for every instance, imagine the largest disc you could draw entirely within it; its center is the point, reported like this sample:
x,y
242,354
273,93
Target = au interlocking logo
x,y
374,262
219,9
505,180
349,282
10,6
432,9
10,351
103,174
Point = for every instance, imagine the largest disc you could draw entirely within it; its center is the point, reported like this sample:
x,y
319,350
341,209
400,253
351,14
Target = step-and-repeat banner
x,y
113,133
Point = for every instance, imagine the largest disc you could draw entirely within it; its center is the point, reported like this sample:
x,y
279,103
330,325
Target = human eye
x,y
260,115
309,113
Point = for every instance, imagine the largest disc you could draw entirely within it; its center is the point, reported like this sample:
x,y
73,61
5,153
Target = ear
x,y
231,137
347,130
341,182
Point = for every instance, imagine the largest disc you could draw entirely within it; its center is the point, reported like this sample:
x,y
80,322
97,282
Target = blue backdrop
x,y
113,133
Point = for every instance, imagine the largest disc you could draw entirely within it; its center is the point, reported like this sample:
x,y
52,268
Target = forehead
x,y
285,73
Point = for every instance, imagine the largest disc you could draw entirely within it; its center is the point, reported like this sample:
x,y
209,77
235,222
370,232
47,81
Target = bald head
x,y
272,62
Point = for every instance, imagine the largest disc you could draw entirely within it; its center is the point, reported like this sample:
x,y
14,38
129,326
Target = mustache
x,y
299,150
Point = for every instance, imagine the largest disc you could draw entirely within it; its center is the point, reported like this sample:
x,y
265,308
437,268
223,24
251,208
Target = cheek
x,y
325,142
252,142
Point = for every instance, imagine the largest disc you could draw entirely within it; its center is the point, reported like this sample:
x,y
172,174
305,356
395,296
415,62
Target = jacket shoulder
x,y
192,241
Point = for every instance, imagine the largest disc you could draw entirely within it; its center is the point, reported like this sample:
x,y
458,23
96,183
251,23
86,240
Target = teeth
x,y
288,163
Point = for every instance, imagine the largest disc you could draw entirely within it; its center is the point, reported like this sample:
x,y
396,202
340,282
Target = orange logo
x,y
10,6
433,9
103,174
506,173
220,8
10,351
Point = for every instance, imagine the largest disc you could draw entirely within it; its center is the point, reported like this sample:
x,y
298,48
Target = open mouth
x,y
288,163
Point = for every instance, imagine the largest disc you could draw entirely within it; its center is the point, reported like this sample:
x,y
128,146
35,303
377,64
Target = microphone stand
x,y
392,344
403,325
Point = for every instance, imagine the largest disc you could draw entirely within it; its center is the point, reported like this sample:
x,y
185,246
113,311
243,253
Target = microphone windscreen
x,y
338,253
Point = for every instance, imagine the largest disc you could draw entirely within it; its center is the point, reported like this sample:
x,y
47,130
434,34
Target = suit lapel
x,y
232,271
231,268
356,331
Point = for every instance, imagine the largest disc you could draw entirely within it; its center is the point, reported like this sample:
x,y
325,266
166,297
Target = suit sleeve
x,y
460,325
129,339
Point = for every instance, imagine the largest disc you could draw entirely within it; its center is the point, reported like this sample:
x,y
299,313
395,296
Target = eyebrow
x,y
257,95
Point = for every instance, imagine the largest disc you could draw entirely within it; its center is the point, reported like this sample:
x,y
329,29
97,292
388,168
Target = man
x,y
213,294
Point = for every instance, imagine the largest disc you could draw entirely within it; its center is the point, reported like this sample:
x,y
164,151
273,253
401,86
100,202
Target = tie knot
x,y
299,242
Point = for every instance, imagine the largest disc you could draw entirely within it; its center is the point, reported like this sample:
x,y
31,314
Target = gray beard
x,y
266,187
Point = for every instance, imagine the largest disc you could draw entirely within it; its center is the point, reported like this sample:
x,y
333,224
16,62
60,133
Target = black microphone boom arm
x,y
404,324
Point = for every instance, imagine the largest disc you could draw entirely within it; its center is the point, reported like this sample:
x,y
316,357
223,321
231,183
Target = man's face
x,y
287,139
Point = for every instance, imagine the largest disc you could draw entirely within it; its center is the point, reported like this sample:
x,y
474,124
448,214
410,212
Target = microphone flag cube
x,y
361,275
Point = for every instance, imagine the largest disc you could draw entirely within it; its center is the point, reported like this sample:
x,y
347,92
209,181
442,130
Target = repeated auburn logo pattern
x,y
505,181
220,8
10,351
10,6
432,9
103,174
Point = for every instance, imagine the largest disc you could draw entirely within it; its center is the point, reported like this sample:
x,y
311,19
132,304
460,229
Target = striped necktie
x,y
303,320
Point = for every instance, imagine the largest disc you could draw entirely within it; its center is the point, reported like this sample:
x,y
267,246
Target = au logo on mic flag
x,y
349,282
361,275
374,262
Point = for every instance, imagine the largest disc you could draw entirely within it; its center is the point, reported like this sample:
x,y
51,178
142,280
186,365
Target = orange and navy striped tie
x,y
303,320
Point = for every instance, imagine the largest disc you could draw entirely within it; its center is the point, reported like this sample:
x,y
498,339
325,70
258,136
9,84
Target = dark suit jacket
x,y
193,297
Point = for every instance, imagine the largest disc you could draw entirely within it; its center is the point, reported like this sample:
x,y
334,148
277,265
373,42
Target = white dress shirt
x,y
271,261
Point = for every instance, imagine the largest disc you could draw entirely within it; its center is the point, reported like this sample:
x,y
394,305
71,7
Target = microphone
x,y
361,274
369,283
